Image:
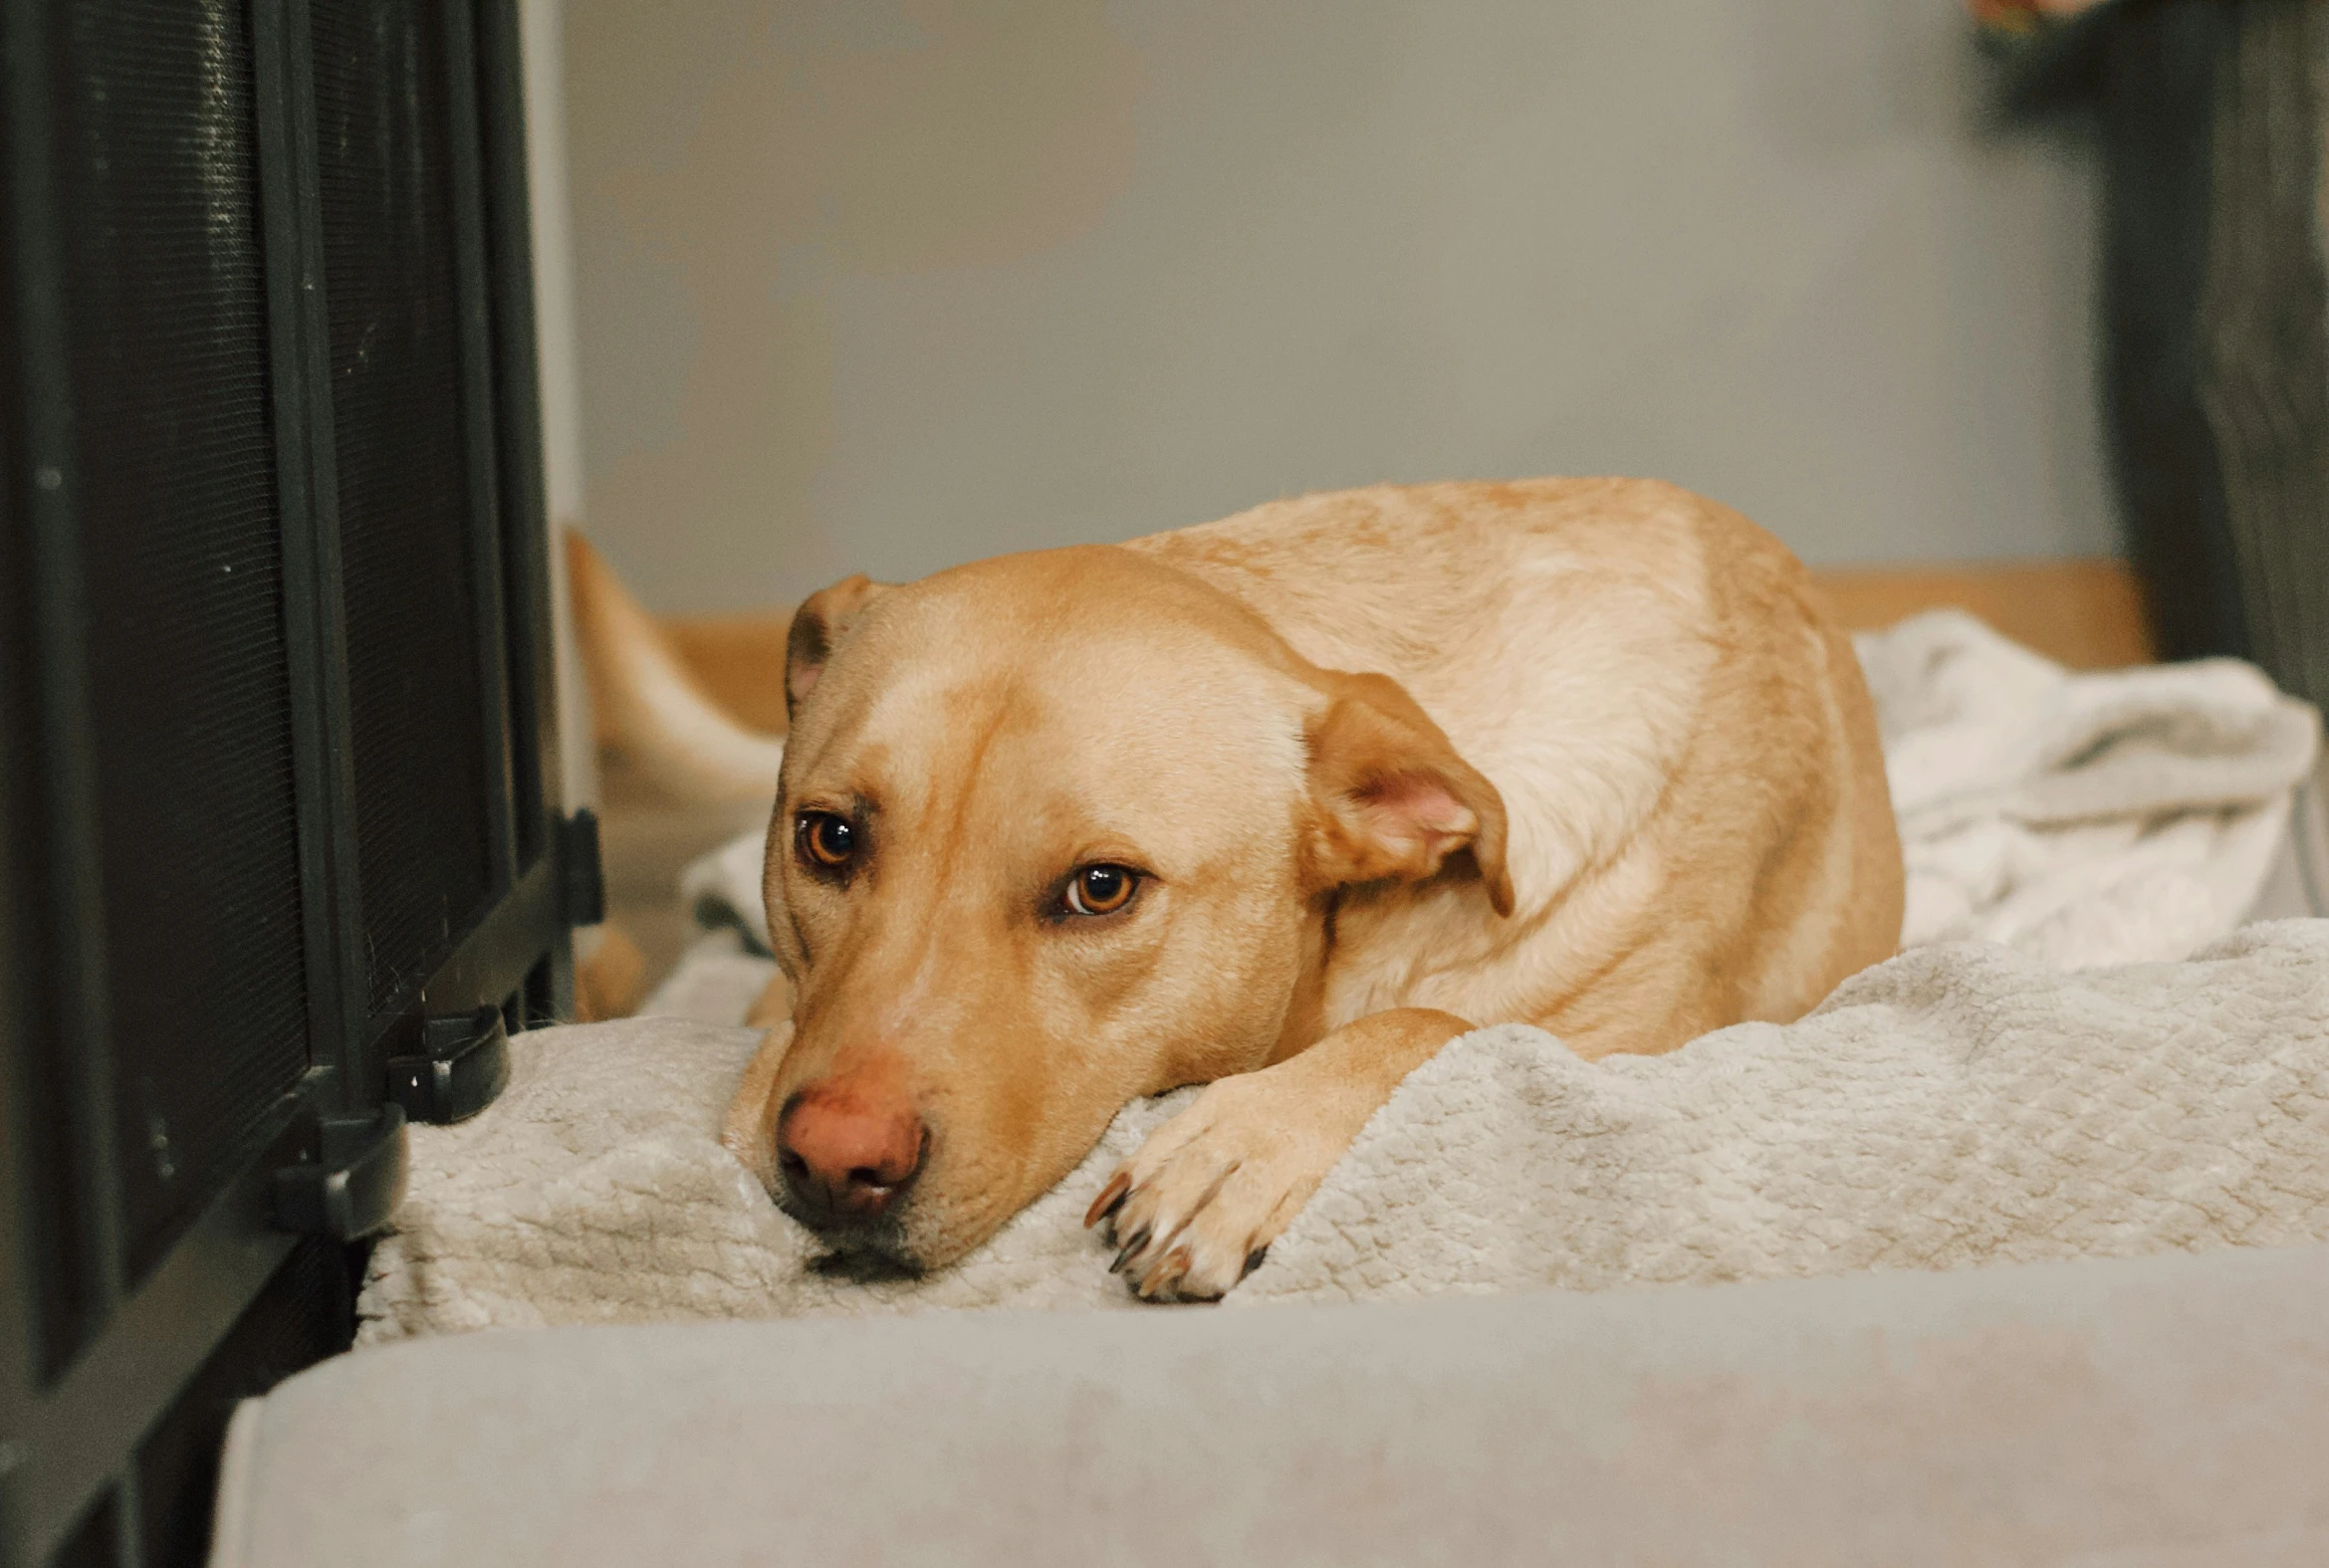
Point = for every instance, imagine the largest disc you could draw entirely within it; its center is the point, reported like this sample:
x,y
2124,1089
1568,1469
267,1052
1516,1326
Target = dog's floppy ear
x,y
1391,797
818,628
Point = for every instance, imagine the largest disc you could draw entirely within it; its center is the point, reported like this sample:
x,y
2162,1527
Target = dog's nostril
x,y
866,1176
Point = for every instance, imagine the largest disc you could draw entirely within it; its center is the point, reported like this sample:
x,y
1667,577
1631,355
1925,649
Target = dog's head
x,y
1056,831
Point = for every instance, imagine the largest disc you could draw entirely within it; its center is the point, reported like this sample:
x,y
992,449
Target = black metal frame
x,y
71,1424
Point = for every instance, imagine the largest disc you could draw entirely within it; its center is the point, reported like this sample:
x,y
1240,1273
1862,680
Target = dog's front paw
x,y
1198,1203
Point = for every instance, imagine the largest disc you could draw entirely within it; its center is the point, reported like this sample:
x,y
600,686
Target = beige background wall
x,y
883,284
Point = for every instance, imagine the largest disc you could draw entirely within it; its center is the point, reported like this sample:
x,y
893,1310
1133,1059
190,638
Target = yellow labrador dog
x,y
1280,804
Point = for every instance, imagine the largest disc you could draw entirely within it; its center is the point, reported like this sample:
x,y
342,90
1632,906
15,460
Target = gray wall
x,y
885,285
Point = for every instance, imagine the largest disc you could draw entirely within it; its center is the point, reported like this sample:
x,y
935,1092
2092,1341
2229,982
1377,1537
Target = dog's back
x,y
1700,831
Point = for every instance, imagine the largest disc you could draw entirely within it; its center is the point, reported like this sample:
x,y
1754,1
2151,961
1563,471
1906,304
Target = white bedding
x,y
1988,1095
1959,1105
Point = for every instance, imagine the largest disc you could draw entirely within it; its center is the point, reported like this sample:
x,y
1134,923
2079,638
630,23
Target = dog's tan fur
x,y
1585,753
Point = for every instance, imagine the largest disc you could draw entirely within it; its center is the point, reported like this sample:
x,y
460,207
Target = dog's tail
x,y
648,704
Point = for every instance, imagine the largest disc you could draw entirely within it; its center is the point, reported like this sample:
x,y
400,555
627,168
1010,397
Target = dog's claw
x,y
1138,1240
1253,1259
1110,1200
1162,1280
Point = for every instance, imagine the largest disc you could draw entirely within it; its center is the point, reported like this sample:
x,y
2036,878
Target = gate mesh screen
x,y
404,499
176,491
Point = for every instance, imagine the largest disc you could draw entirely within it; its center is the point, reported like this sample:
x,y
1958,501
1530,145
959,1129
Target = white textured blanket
x,y
2079,818
1963,1103
1958,1106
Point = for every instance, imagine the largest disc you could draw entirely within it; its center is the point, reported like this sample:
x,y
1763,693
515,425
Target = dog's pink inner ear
x,y
1417,810
1393,798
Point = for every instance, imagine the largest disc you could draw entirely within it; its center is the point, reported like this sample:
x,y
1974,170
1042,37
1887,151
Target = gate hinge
x,y
581,879
464,1063
354,1184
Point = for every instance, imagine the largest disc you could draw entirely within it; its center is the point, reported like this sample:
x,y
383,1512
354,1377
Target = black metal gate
x,y
275,743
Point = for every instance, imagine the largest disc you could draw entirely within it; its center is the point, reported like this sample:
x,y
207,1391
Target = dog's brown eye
x,y
827,841
1101,890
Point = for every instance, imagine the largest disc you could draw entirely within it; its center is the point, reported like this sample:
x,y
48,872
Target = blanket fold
x,y
2079,818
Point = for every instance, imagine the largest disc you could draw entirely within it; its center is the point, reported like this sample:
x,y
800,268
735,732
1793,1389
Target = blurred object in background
x,y
2216,304
2014,20
2217,323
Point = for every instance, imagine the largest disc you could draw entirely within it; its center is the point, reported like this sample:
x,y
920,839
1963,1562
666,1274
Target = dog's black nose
x,y
847,1157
